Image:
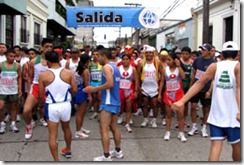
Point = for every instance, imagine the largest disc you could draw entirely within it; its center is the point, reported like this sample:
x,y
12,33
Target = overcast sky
x,y
182,12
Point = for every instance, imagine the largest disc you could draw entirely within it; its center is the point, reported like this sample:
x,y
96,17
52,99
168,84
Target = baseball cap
x,y
230,46
206,46
164,53
59,51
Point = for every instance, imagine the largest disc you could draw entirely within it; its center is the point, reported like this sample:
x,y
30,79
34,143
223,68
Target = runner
x,y
110,106
37,65
224,117
58,106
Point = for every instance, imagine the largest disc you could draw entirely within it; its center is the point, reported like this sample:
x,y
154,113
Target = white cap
x,y
150,49
230,46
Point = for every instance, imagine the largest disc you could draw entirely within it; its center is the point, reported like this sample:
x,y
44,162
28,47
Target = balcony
x,y
13,7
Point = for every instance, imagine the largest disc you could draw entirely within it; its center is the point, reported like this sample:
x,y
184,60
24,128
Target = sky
x,y
182,12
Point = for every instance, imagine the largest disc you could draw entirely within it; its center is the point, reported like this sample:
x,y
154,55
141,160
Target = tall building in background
x,y
84,36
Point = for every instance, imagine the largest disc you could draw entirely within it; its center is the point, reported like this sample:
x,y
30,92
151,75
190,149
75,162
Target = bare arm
x,y
238,89
73,84
197,86
19,80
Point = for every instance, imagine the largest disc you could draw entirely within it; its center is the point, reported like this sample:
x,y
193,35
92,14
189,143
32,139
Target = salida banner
x,y
112,17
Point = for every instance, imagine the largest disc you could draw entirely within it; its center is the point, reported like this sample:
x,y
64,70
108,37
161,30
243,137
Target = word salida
x,y
98,17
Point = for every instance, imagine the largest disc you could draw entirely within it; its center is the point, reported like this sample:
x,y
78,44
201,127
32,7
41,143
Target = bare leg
x,y
216,147
53,134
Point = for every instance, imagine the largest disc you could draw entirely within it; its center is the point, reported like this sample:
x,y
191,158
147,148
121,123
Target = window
x,y
9,30
37,34
228,29
60,10
23,31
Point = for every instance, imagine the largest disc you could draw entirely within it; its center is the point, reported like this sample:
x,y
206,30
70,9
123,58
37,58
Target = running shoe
x,y
93,116
120,119
65,153
153,123
127,126
167,136
115,154
7,118
102,158
164,122
138,112
2,128
81,135
13,128
182,137
28,132
144,123
204,132
86,131
43,122
193,131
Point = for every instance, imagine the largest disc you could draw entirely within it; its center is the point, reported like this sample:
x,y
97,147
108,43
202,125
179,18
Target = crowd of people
x,y
117,83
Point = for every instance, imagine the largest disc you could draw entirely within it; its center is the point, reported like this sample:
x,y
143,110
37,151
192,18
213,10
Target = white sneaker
x,y
102,158
18,118
7,118
127,126
86,131
43,122
28,131
182,137
153,123
144,123
2,128
93,116
120,119
167,136
151,113
204,132
164,122
131,121
193,131
115,154
81,135
13,128
138,112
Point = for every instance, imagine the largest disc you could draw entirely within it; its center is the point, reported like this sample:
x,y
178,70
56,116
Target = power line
x,y
173,8
170,6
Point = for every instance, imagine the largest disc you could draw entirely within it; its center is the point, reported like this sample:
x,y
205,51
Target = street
x,y
143,144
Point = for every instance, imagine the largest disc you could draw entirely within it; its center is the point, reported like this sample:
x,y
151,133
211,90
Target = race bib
x,y
124,84
199,74
173,86
96,76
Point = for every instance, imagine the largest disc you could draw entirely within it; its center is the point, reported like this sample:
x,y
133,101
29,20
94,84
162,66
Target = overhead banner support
x,y
138,17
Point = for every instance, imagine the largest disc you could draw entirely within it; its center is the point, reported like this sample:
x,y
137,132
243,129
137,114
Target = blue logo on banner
x,y
112,17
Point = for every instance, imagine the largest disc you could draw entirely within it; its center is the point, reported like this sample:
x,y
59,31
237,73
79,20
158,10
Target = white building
x,y
224,22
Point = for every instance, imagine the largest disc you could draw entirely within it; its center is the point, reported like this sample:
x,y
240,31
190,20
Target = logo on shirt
x,y
224,81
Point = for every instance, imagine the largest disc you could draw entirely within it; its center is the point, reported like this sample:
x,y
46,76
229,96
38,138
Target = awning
x,y
58,29
13,7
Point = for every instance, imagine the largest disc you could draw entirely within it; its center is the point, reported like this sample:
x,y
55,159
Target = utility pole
x,y
137,30
205,34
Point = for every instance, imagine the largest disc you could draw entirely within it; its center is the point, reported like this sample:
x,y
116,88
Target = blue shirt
x,y
200,65
111,96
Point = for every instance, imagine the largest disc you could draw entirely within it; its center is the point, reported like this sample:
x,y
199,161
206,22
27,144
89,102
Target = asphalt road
x,y
143,144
